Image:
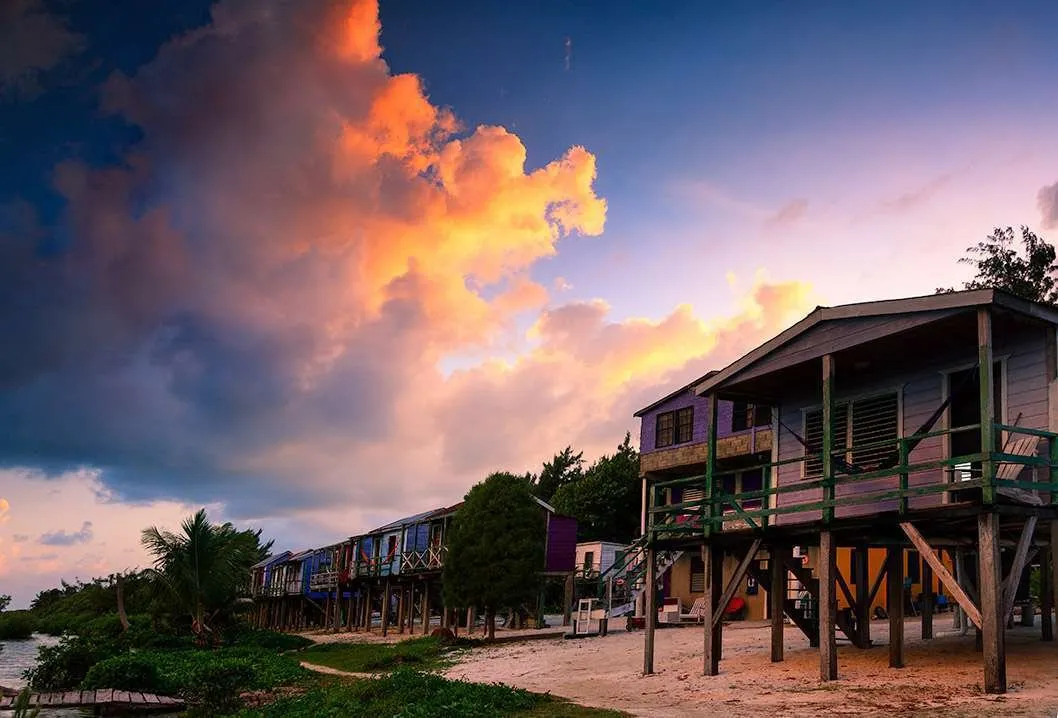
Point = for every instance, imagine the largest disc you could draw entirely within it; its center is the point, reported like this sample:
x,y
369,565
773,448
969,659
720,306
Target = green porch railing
x,y
752,509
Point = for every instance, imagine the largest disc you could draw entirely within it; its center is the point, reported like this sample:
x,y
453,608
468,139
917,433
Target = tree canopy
x,y
605,500
564,468
495,547
1028,273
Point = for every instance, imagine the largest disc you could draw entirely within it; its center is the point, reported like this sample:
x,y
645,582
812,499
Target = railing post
x,y
903,453
765,499
988,443
1053,468
709,507
828,438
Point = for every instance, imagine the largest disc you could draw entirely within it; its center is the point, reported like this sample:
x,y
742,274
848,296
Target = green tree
x,y
203,567
1028,273
606,499
564,468
495,548
5,601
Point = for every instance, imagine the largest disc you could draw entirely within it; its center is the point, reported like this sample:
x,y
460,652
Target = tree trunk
x,y
122,616
490,621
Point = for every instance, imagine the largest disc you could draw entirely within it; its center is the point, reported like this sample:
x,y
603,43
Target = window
x,y
697,575
674,427
589,560
745,415
871,422
741,413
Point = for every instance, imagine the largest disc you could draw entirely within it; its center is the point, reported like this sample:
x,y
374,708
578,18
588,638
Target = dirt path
x,y
943,677
336,672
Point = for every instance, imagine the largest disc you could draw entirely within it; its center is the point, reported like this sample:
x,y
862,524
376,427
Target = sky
x,y
316,265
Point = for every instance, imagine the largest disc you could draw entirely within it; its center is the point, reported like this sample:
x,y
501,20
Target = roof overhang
x,y
673,395
939,304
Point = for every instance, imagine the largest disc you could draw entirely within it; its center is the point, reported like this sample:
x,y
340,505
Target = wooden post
x,y
894,591
567,610
863,596
988,444
650,611
425,608
927,601
386,596
828,438
992,621
711,556
710,508
776,596
1046,596
828,606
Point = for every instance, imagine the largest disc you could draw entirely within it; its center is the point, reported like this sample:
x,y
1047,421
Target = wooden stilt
x,y
1046,595
988,584
425,608
567,607
862,606
387,595
650,611
828,649
894,591
402,606
927,601
710,656
776,596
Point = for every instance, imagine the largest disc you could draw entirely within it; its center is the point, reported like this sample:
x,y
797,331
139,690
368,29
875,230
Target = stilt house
x,y
925,423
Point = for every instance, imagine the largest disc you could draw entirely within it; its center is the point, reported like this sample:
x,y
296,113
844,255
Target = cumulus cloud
x,y
1047,201
32,41
253,306
64,538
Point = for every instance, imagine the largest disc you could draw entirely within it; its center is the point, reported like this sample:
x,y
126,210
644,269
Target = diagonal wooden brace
x,y
941,572
732,586
1021,555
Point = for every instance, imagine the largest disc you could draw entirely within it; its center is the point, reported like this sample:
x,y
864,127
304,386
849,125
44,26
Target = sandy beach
x,y
942,676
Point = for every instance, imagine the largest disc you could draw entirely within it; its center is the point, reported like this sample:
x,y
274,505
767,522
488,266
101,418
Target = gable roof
x,y
936,303
673,395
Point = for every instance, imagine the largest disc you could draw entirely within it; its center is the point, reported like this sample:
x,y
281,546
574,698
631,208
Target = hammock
x,y
913,441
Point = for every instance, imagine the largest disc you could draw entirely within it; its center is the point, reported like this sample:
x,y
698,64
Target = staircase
x,y
803,612
621,585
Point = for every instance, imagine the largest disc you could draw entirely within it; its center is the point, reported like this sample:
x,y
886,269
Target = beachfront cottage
x,y
925,423
389,577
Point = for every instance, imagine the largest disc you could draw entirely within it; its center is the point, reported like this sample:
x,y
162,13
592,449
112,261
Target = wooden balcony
x,y
898,489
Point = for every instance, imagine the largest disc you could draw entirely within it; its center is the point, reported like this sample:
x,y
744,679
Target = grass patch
x,y
426,654
410,694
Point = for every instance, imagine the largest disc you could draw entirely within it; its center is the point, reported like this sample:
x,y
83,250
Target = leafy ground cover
x,y
410,694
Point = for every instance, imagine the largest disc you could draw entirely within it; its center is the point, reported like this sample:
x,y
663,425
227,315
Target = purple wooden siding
x,y
700,430
561,544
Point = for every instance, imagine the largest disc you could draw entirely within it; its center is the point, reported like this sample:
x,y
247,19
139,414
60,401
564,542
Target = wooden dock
x,y
103,701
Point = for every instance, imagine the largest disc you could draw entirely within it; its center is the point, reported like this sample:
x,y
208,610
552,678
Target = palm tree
x,y
203,566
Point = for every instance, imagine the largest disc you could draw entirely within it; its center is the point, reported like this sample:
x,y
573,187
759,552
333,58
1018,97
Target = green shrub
x,y
16,625
63,666
210,679
128,672
270,640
